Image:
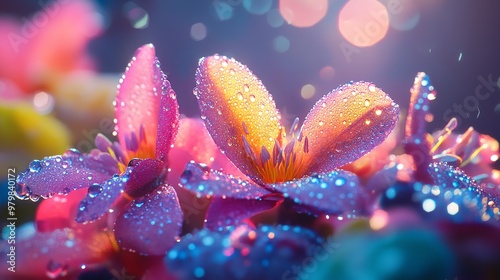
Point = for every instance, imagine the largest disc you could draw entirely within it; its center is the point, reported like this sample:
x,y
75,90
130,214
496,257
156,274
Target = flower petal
x,y
58,211
235,104
168,118
336,192
457,197
417,143
200,179
226,212
346,124
55,254
101,197
149,225
145,176
62,174
138,101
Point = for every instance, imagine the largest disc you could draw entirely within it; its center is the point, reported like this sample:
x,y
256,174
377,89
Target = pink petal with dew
x,y
150,225
346,124
206,182
55,254
139,98
226,212
168,118
336,192
65,173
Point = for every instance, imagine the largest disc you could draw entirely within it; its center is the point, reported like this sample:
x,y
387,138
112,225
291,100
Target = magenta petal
x,y
150,225
145,177
202,180
62,174
335,192
138,99
168,119
226,212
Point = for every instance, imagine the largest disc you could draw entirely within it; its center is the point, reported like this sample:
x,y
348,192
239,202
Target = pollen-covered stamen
x,y
284,162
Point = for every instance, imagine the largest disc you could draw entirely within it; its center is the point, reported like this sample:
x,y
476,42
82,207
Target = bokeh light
x,y
257,7
307,91
138,17
43,102
281,44
363,22
303,13
404,15
274,18
198,31
327,73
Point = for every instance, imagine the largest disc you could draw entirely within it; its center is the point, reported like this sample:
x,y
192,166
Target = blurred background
x,y
60,61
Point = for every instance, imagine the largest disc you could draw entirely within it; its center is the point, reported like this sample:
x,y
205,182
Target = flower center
x,y
285,161
135,147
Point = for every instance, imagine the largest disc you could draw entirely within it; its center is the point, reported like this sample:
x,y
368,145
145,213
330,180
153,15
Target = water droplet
x,y
35,166
252,97
367,122
246,88
372,87
231,71
94,190
66,190
224,63
339,182
378,112
34,197
345,99
22,191
139,203
321,123
367,103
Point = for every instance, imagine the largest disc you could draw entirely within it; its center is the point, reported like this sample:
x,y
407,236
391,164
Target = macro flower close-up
x,y
249,139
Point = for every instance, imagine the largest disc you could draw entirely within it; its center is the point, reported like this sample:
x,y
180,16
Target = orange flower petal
x,y
346,124
236,105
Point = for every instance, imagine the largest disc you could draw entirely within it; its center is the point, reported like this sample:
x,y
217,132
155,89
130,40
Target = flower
x,y
435,187
133,169
33,56
242,119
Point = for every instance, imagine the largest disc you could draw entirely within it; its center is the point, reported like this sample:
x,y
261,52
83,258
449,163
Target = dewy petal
x,y
336,192
139,97
202,180
455,196
417,143
168,118
101,197
62,174
145,177
227,212
235,104
54,254
346,124
149,225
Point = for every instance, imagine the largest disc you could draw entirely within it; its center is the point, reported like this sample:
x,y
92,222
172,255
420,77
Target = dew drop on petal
x,y
35,166
94,190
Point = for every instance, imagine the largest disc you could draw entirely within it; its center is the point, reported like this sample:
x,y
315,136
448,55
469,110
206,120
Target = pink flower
x,y
128,177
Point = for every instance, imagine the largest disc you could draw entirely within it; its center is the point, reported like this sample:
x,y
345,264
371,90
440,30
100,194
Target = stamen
x,y
248,149
142,135
245,128
452,124
294,126
473,155
306,145
264,155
